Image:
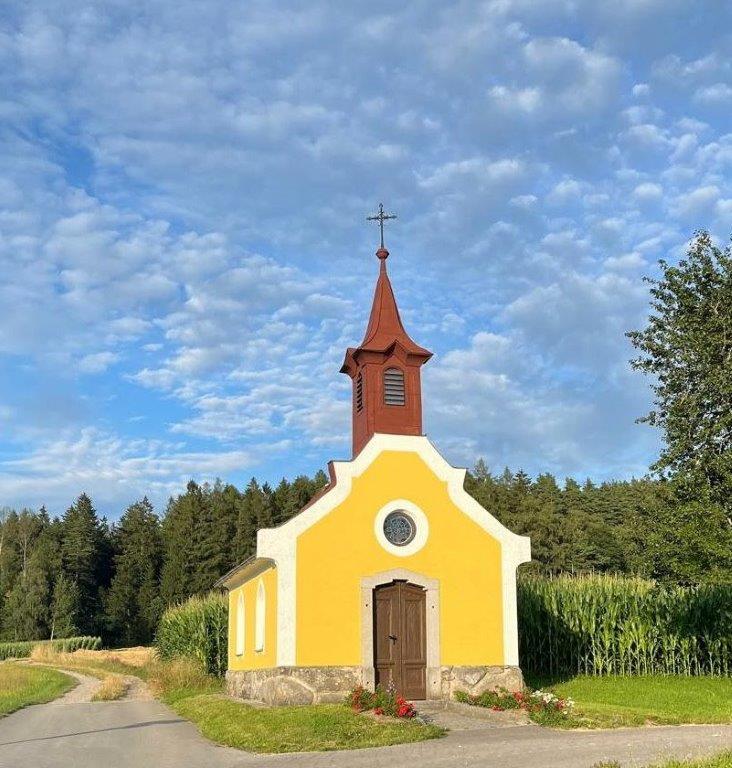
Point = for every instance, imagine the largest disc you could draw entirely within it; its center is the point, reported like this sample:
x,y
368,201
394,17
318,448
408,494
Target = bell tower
x,y
385,369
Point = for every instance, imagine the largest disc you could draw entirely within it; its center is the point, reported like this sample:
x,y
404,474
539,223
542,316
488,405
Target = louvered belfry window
x,y
393,386
359,393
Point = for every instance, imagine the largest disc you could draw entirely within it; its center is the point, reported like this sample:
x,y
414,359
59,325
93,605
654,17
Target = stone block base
x,y
320,685
293,685
477,680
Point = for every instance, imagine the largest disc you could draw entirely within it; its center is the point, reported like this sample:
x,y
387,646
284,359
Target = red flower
x,y
378,711
496,708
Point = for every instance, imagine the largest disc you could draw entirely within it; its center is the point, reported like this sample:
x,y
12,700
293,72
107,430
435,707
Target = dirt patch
x,y
137,690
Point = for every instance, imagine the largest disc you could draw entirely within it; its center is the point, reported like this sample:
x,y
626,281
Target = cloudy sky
x,y
184,255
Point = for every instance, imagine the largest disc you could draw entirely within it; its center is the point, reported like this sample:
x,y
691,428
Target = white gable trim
x,y
280,543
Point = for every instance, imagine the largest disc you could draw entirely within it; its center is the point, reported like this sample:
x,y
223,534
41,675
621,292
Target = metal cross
x,y
381,217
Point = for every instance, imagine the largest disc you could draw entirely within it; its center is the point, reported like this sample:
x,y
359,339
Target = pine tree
x,y
26,608
179,534
250,512
81,545
63,608
133,604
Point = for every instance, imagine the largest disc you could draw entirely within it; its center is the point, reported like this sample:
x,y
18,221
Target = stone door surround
x,y
432,621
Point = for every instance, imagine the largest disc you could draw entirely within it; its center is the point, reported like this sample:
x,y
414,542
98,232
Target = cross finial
x,y
381,217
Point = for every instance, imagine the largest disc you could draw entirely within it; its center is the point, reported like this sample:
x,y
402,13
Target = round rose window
x,y
399,528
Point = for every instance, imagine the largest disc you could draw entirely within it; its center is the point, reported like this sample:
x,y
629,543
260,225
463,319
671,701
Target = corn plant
x,y
23,649
618,625
196,629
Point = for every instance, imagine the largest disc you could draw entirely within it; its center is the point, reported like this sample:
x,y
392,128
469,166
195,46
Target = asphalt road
x,y
142,732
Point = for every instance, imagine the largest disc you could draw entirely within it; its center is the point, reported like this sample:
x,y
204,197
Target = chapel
x,y
393,573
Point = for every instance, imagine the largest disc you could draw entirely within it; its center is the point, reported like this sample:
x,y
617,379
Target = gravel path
x,y
81,693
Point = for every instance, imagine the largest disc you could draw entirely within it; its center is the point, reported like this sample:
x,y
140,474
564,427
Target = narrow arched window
x,y
393,386
240,625
259,618
359,393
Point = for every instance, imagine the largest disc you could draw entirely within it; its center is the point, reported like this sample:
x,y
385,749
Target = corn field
x,y
23,649
616,625
196,629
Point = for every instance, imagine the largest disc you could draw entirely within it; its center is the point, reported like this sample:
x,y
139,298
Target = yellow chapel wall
x,y
337,551
251,658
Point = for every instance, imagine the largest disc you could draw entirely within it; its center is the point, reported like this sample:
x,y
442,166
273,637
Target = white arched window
x,y
259,618
240,625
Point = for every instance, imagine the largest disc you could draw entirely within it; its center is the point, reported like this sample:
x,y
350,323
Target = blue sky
x,y
183,189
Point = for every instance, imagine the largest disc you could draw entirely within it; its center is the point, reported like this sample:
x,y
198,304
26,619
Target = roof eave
x,y
245,571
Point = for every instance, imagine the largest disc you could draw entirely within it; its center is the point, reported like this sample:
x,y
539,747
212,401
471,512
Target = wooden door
x,y
399,638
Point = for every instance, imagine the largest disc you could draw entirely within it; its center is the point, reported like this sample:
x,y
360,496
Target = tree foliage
x,y
686,348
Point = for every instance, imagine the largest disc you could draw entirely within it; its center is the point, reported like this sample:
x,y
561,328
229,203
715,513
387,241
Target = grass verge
x,y
125,661
199,698
21,686
613,702
722,760
320,727
113,687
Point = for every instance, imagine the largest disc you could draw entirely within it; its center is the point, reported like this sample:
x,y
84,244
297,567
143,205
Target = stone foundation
x,y
477,680
293,685
320,685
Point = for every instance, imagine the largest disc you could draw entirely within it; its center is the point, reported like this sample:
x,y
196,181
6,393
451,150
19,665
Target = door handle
x,y
392,638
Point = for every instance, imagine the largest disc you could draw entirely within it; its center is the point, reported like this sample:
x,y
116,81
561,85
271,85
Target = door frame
x,y
432,628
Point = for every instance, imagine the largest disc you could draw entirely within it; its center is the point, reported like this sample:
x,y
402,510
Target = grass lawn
x,y
723,760
199,698
295,729
21,685
611,702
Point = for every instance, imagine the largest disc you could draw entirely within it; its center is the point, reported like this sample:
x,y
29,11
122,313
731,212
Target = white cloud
x,y
114,471
715,93
521,99
98,362
696,203
478,169
648,192
627,261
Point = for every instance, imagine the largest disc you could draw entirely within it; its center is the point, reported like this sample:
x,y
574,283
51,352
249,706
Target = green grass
x,y
723,760
21,686
295,729
612,702
199,698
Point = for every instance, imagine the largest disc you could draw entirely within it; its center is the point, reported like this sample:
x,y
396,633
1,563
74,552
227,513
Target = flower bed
x,y
542,706
382,701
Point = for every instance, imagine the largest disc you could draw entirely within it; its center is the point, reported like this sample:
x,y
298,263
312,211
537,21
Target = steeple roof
x,y
385,327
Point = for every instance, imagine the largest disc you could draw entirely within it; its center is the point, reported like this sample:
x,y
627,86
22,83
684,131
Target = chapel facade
x,y
393,573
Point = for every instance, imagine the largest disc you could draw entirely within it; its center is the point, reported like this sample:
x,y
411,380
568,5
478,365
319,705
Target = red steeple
x,y
385,370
